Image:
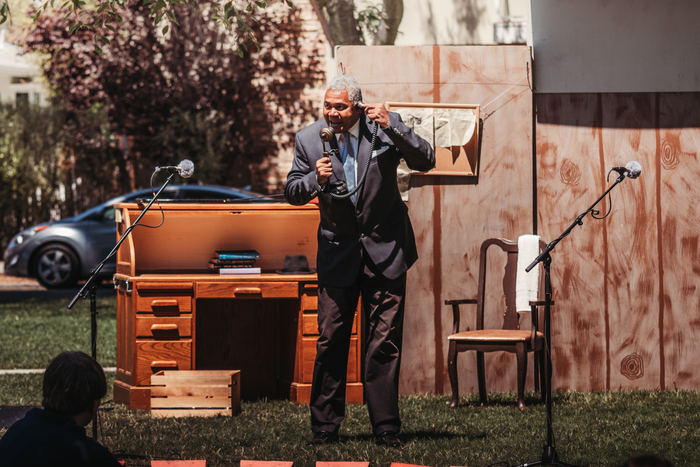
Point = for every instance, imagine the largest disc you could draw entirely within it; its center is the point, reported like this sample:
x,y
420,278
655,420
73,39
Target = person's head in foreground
x,y
74,384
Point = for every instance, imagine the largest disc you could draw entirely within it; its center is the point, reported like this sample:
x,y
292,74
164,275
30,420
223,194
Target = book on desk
x,y
235,262
237,255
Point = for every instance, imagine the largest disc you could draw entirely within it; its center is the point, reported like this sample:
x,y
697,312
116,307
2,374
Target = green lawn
x,y
34,331
596,429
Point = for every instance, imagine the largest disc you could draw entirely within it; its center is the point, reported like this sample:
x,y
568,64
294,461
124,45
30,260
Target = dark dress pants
x,y
383,304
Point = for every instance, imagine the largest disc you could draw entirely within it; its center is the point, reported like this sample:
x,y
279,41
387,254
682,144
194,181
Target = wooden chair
x,y
508,339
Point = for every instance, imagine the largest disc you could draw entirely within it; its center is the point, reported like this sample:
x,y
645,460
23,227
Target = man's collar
x,y
355,129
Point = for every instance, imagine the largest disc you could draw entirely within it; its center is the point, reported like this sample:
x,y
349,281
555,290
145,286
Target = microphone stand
x,y
90,288
549,455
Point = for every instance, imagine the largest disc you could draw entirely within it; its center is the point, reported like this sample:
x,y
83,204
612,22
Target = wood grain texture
x,y
274,230
451,216
163,328
248,290
568,173
678,181
626,291
154,356
630,243
241,335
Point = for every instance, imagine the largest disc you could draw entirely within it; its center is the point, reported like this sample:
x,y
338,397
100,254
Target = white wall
x,y
13,65
616,46
455,22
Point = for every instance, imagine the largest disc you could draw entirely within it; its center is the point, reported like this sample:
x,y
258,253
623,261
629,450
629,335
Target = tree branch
x,y
389,26
341,19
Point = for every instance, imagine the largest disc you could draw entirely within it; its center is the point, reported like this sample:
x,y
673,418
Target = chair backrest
x,y
510,315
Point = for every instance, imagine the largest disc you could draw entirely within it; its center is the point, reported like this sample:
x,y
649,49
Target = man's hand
x,y
324,170
378,113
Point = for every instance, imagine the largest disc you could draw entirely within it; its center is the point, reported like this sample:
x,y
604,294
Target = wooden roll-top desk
x,y
174,313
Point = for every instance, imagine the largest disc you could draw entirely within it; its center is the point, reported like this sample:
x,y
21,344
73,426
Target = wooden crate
x,y
195,393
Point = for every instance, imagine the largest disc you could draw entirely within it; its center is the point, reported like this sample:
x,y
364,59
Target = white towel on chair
x,y
527,283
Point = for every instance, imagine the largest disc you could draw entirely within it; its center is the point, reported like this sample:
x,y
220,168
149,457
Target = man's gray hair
x,y
349,84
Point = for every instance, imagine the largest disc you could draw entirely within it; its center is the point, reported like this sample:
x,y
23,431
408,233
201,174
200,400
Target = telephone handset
x,y
327,135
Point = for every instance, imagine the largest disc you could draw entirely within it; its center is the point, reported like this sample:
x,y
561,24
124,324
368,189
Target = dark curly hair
x,y
73,381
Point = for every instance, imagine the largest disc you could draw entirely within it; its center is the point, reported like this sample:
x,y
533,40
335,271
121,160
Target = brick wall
x,y
290,79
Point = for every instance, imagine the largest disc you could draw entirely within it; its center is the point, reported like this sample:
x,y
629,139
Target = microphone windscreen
x,y
186,168
635,169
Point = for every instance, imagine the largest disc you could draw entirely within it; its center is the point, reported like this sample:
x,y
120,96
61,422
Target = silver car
x,y
60,253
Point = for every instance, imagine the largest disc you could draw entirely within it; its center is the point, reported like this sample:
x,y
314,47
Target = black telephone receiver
x,y
327,135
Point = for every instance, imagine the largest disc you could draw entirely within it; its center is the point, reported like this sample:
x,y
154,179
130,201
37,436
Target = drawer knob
x,y
164,327
247,290
171,302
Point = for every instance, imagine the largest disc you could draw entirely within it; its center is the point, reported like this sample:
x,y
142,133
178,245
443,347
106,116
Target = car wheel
x,y
56,266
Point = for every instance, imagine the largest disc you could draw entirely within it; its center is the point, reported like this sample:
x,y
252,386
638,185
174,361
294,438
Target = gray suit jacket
x,y
379,221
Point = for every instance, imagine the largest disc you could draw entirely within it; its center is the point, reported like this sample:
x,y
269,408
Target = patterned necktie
x,y
349,163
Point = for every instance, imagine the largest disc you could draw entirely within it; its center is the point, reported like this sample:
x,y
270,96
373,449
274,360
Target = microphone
x,y
632,169
184,168
326,134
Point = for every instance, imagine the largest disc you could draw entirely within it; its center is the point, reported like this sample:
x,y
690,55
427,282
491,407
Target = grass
x,y
591,429
34,331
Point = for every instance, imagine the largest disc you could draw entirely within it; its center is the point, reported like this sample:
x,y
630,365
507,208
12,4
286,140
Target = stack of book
x,y
235,262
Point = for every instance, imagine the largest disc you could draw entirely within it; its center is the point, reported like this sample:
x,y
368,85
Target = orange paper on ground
x,y
245,463
178,463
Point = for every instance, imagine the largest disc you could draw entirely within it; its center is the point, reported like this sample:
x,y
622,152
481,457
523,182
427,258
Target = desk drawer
x,y
163,328
164,299
247,290
163,305
155,356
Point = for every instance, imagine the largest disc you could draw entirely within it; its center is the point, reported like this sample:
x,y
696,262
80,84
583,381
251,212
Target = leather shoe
x,y
322,437
390,439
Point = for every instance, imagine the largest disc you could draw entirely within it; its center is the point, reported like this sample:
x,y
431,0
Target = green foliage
x,y
100,15
5,13
368,20
45,155
30,166
189,135
188,96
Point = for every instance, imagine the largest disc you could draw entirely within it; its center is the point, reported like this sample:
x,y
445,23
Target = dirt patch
x,y
17,280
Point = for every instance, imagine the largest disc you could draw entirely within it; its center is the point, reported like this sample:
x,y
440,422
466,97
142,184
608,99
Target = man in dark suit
x,y
365,247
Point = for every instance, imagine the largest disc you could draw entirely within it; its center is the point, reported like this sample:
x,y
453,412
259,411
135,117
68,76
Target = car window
x,y
207,194
108,214
168,193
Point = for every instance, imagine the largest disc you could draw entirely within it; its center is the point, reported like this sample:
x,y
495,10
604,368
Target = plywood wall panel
x,y
630,243
679,187
452,216
481,68
626,287
421,349
568,175
634,276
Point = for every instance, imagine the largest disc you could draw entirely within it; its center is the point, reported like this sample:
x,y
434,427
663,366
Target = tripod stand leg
x,y
93,342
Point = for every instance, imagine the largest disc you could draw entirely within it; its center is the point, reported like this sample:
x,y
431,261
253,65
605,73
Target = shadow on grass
x,y
411,436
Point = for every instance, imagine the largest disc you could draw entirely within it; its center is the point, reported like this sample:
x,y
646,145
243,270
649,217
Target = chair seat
x,y
494,335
